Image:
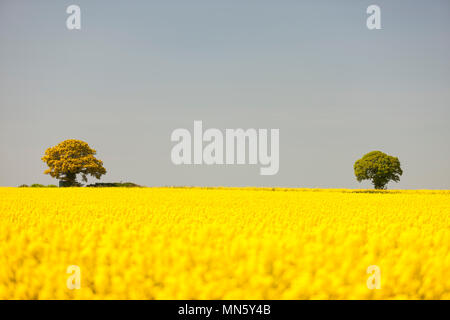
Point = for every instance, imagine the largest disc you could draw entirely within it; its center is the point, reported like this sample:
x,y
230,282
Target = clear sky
x,y
137,70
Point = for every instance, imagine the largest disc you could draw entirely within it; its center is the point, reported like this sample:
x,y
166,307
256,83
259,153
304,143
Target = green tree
x,y
72,157
378,167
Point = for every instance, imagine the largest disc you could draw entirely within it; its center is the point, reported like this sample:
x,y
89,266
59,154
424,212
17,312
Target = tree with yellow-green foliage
x,y
378,167
72,157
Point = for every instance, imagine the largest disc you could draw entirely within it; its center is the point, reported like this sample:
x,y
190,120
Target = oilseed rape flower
x,y
223,243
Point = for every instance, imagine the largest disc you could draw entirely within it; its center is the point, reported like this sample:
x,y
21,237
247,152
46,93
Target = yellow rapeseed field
x,y
199,243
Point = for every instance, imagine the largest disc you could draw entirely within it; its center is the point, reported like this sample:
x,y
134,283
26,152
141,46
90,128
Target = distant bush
x,y
38,185
374,191
113,184
94,185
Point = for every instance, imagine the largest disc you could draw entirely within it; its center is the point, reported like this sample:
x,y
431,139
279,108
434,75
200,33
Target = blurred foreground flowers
x,y
198,243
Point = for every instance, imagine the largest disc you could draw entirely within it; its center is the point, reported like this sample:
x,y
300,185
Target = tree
x,y
72,157
378,167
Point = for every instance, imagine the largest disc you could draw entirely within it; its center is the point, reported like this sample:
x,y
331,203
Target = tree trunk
x,y
70,180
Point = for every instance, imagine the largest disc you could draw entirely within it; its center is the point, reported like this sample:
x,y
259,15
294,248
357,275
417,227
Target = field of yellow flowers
x,y
201,243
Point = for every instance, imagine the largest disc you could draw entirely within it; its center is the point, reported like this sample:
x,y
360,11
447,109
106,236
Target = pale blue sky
x,y
137,70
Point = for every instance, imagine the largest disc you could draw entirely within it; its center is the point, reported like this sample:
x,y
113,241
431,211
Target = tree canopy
x,y
72,157
378,167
